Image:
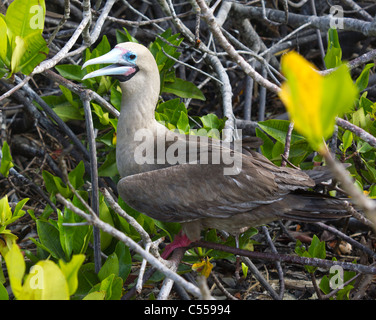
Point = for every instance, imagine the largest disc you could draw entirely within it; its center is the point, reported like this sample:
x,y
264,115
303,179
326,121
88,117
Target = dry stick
x,y
347,238
278,264
322,23
50,112
95,221
168,283
260,278
358,9
362,134
208,16
286,258
62,21
78,89
286,152
94,178
149,245
132,221
347,185
217,66
318,33
222,288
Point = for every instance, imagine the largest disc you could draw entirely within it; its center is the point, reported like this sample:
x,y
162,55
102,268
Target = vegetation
x,y
48,192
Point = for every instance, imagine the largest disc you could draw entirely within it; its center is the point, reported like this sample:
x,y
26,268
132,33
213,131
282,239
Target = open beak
x,y
120,67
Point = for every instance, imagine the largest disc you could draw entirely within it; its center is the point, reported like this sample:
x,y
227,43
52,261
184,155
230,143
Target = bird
x,y
174,177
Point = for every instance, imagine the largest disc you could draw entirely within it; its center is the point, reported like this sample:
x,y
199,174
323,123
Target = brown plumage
x,y
195,194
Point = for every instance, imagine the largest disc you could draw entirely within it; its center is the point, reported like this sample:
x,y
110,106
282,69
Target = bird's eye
x,y
131,56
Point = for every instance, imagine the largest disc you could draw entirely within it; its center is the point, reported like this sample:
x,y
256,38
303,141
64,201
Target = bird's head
x,y
127,61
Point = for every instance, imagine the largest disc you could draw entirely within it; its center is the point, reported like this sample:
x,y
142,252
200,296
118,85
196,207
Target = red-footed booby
x,y
198,182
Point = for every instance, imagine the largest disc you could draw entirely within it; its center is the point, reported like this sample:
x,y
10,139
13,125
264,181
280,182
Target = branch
x,y
95,221
294,259
322,23
208,16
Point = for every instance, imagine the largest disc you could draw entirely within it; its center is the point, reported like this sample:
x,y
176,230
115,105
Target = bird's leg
x,y
237,274
180,240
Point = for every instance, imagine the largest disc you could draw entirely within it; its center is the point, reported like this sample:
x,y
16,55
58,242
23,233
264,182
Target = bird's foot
x,y
181,240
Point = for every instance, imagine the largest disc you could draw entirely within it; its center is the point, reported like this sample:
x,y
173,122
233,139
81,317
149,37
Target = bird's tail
x,y
311,207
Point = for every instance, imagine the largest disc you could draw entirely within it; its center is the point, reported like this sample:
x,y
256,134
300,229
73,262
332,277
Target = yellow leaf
x,y
70,270
302,95
314,101
5,211
17,54
3,40
16,268
45,282
114,139
203,268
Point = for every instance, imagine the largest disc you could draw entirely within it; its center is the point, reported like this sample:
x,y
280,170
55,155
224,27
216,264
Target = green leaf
x,y
25,17
172,109
18,213
95,295
183,89
55,185
71,71
183,123
74,239
67,113
6,160
3,293
109,167
76,176
124,36
25,22
347,140
111,266
3,41
112,285
116,97
244,269
211,121
125,260
278,130
87,279
333,57
267,146
49,238
339,93
317,248
362,81
35,52
103,116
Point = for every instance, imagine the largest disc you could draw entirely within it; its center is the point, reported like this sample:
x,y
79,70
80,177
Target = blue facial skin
x,y
130,57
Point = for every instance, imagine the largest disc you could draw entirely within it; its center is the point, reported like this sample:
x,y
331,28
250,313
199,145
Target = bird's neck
x,y
137,112
136,115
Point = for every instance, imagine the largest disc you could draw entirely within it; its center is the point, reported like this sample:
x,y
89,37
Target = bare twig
x,y
94,178
293,259
238,59
95,221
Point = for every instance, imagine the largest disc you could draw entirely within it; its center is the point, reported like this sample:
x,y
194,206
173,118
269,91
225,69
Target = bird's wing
x,y
187,192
